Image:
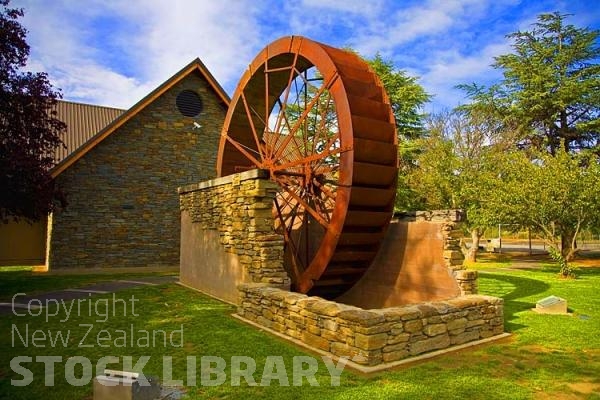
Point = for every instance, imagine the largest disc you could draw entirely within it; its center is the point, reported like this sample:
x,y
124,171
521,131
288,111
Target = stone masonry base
x,y
230,250
381,367
377,337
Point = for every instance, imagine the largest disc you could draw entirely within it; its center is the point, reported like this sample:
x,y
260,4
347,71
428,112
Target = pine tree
x,y
551,86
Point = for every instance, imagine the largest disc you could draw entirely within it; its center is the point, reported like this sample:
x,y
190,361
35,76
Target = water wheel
x,y
318,119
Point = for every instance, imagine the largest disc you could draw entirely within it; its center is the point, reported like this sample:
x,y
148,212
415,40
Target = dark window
x,y
189,103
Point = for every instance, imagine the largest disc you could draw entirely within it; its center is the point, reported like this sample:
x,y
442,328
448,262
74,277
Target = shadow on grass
x,y
513,289
587,271
580,271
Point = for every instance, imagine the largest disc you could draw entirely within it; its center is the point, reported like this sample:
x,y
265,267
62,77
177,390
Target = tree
x,y
550,88
550,91
552,193
407,98
29,131
456,167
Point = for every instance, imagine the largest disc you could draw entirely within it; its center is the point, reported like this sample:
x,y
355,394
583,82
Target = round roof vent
x,y
189,103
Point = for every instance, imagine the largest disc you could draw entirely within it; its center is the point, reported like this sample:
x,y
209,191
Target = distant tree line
x,y
525,150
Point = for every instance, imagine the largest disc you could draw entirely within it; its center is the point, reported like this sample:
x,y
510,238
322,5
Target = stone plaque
x,y
551,305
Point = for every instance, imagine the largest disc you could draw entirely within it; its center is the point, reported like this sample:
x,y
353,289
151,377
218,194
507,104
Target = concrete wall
x,y
123,201
227,235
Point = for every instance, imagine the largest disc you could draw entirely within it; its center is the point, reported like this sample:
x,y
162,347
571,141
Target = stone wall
x,y
228,235
229,250
123,202
372,337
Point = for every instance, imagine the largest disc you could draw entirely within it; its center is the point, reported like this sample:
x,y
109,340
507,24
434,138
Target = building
x,y
120,172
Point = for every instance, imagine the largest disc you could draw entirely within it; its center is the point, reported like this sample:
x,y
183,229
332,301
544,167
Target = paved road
x,y
32,301
537,247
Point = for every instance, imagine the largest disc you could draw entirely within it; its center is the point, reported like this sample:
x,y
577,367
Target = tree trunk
x,y
568,246
476,234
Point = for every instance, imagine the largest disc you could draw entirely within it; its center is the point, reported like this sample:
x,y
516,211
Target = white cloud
x,y
58,46
452,68
361,7
161,37
101,85
408,24
114,52
225,35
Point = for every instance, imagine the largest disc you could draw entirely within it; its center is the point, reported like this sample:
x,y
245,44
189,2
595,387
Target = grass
x,y
548,357
490,261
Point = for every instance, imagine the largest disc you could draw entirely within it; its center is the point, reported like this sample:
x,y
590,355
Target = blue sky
x,y
114,52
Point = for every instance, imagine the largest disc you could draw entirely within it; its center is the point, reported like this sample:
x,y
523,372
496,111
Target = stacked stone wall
x,y
122,195
372,337
233,215
239,208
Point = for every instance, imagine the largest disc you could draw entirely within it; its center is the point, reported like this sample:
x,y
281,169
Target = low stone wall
x,y
227,234
229,249
372,337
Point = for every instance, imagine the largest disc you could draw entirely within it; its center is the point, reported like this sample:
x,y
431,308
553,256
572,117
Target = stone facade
x,y
372,337
236,211
122,194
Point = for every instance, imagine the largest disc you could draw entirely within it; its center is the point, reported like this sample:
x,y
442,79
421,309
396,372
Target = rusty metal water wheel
x,y
318,119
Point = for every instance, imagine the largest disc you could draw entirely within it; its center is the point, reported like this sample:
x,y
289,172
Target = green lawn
x,y
553,357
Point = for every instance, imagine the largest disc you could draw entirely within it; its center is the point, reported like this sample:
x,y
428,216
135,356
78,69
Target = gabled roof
x,y
83,122
195,65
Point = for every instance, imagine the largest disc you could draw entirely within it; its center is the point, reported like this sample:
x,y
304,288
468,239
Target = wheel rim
x,y
291,115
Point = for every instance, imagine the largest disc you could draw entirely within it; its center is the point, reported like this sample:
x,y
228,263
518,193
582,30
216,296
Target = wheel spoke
x,y
281,116
242,149
289,242
324,189
307,207
322,124
322,208
308,159
290,222
283,105
292,213
331,143
251,121
325,169
304,114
